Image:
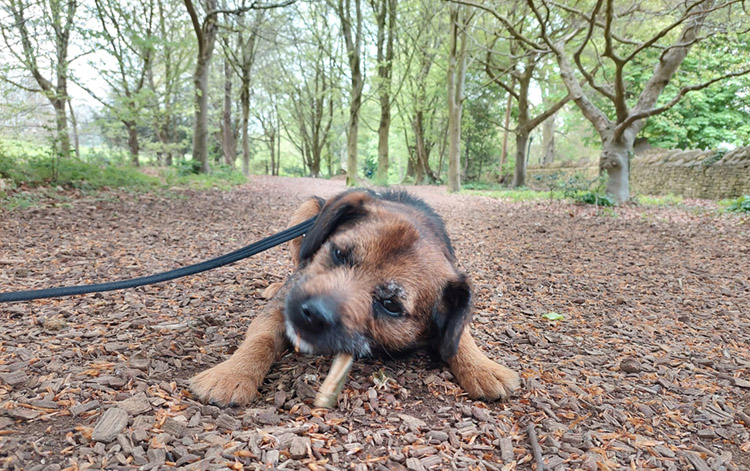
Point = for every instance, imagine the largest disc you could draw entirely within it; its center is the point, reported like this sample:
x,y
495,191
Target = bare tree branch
x,y
18,85
577,56
587,107
540,118
196,24
252,6
588,19
505,21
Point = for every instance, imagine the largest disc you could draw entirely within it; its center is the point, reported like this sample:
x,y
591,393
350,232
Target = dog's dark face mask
x,y
373,279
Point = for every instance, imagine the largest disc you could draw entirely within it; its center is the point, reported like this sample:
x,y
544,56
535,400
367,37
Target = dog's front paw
x,y
225,385
487,380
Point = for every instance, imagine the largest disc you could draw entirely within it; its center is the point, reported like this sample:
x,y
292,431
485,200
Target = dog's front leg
x,y
481,377
236,381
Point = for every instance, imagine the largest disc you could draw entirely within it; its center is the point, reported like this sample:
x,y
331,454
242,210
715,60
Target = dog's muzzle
x,y
316,315
313,323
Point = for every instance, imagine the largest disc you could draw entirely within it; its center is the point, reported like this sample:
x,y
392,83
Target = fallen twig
x,y
536,450
10,261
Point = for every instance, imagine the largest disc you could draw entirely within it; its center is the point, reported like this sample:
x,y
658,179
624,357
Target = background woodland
x,y
394,91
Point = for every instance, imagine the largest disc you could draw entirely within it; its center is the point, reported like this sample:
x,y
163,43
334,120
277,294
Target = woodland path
x,y
649,369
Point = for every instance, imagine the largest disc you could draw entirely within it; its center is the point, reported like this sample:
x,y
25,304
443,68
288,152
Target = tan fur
x,y
236,380
387,246
478,375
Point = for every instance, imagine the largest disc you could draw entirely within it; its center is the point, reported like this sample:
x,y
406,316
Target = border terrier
x,y
376,274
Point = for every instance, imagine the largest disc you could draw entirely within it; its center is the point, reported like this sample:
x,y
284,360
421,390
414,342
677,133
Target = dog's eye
x,y
339,257
389,306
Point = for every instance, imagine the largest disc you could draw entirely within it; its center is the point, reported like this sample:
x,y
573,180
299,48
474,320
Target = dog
x,y
375,275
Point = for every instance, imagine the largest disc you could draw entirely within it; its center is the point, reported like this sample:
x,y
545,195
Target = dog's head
x,y
376,273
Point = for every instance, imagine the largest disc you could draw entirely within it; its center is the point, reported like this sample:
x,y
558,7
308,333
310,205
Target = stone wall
x,y
688,173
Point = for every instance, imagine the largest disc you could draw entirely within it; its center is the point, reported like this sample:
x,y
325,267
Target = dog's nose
x,y
319,313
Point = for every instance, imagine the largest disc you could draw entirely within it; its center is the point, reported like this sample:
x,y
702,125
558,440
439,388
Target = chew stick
x,y
329,390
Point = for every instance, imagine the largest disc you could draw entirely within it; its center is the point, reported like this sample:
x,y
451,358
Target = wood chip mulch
x,y
649,368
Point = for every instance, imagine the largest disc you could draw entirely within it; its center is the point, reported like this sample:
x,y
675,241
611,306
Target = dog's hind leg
x,y
236,381
478,375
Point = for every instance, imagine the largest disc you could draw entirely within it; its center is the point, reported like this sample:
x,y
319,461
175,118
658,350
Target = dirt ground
x,y
649,368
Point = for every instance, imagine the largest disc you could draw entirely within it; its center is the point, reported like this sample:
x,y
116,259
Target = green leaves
x,y
740,205
553,316
708,118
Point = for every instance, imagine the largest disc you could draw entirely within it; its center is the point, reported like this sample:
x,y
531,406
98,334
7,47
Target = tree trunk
x,y
74,122
352,134
245,101
205,34
200,126
133,145
548,140
421,151
387,9
523,127
329,158
441,152
228,143
411,171
456,76
418,168
410,158
506,130
522,139
278,150
353,40
383,129
467,158
248,59
62,140
272,148
245,104
615,160
165,154
315,162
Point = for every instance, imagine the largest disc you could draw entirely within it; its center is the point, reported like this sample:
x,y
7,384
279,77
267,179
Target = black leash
x,y
245,252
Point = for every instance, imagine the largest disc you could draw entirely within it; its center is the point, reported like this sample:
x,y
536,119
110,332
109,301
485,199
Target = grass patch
x,y
29,174
29,199
665,200
483,186
222,177
517,195
28,166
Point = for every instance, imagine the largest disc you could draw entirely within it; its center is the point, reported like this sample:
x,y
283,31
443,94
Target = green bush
x,y
739,205
188,167
597,198
578,188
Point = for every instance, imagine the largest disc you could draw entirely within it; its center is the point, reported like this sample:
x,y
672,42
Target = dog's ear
x,y
452,315
337,211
